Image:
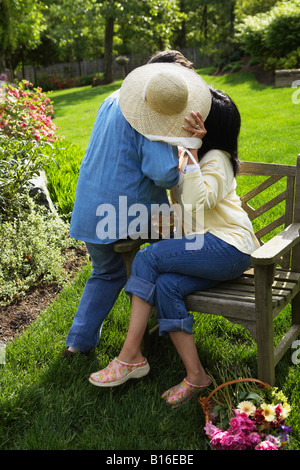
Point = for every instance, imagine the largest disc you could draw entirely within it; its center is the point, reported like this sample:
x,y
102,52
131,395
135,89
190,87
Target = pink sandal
x,y
182,392
117,372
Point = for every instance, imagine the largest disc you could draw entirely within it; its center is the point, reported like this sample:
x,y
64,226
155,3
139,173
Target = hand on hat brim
x,y
196,126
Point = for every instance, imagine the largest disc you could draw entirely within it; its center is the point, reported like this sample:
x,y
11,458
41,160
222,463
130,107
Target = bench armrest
x,y
277,246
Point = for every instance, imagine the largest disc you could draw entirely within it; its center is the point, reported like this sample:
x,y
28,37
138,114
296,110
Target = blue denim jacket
x,y
119,162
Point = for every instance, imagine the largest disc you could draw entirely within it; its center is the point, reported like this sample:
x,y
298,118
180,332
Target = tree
x,y
21,25
139,25
75,28
273,36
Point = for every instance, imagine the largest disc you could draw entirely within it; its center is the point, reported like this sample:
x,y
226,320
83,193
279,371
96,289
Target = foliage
x,y
58,82
31,239
26,112
26,129
20,161
273,35
62,178
252,7
31,249
21,25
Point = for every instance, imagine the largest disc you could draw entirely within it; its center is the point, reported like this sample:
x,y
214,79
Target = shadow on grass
x,y
77,95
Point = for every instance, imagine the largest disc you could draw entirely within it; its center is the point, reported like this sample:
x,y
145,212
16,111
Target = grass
x,y
75,110
47,403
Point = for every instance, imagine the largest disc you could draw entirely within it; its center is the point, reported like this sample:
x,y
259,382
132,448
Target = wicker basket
x,y
207,402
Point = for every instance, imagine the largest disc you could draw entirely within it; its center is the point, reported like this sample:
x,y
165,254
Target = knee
x,y
167,285
142,262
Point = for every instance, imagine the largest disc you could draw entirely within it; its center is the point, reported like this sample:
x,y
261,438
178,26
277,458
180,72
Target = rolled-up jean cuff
x,y
167,325
141,288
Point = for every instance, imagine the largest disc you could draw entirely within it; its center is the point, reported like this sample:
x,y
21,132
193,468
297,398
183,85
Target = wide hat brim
x,y
144,119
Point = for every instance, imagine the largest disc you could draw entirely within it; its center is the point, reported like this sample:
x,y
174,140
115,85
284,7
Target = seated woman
x,y
165,272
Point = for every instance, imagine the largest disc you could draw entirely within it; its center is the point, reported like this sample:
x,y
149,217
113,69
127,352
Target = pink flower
x,y
211,429
242,422
253,439
266,445
37,136
218,439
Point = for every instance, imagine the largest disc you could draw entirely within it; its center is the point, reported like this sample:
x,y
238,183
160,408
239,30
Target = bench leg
x,y
296,309
264,324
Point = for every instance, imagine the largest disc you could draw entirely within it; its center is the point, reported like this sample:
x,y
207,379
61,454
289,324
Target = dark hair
x,y
223,127
170,56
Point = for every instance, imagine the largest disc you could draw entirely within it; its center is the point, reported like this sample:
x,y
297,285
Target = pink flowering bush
x,y
26,129
256,425
26,112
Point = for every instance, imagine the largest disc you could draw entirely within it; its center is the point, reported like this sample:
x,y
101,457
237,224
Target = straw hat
x,y
155,99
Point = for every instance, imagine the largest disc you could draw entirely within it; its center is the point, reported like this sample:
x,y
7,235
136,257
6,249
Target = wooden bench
x,y
255,298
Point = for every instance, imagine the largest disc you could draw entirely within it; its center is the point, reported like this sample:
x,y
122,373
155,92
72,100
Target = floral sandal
x,y
117,372
182,392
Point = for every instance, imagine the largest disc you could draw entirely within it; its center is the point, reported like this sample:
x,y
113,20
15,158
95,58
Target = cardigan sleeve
x,y
210,185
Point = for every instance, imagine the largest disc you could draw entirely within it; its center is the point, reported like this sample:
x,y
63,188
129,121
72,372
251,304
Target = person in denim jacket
x,y
119,162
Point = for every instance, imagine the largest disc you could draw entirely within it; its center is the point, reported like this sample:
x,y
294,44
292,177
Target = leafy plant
x,y
25,112
26,128
31,249
20,161
273,35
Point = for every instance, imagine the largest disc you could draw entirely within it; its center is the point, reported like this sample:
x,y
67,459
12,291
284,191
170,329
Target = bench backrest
x,y
274,196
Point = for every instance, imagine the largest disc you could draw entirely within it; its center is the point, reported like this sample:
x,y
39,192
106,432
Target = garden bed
x,y
19,314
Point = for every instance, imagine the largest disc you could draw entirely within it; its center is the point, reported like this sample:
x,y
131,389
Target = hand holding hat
x,y
196,127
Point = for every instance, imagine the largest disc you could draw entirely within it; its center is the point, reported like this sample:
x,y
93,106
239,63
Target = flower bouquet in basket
x,y
248,418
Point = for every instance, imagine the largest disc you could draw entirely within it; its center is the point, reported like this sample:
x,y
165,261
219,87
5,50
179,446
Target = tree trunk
x,y
232,18
204,21
108,51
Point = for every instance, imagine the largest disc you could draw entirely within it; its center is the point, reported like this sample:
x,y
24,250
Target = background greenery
x,y
47,402
44,32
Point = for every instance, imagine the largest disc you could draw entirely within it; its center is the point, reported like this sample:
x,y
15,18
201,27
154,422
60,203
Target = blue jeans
x,y
165,272
107,279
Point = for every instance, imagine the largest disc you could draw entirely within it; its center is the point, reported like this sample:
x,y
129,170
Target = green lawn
x,y
48,403
76,108
270,120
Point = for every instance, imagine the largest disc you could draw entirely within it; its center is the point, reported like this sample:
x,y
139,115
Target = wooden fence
x,y
89,67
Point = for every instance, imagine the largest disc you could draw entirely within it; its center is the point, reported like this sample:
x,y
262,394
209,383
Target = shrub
x,y
273,35
26,128
31,250
25,112
20,161
61,83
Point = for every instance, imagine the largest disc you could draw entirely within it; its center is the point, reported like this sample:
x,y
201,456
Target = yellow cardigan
x,y
209,196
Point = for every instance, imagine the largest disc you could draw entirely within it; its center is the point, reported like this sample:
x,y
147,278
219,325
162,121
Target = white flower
x,y
246,407
268,412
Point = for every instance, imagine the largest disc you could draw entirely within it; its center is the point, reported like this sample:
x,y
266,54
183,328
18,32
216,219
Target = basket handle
x,y
206,400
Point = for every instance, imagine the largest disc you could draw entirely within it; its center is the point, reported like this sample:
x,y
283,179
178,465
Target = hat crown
x,y
166,93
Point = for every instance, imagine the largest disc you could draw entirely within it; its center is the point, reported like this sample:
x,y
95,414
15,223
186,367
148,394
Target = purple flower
x,y
283,433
